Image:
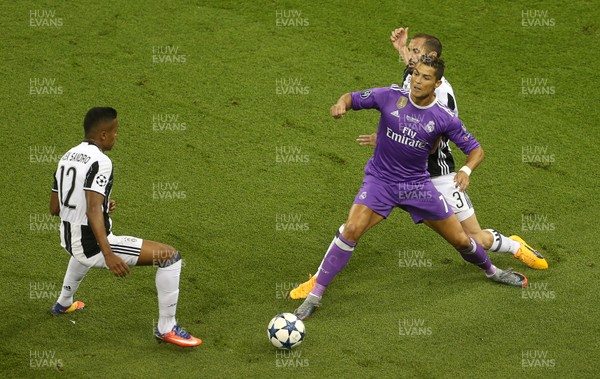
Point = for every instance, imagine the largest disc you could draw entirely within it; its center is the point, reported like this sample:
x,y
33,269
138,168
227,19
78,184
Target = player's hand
x,y
367,139
399,37
461,180
111,205
116,265
338,109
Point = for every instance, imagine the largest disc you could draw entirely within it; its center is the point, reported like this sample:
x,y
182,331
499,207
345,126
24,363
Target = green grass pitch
x,y
227,152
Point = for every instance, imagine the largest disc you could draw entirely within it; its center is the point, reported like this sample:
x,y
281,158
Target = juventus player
x,y
410,125
441,166
81,197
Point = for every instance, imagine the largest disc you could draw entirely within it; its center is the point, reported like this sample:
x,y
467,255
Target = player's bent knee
x,y
462,242
477,237
352,231
172,260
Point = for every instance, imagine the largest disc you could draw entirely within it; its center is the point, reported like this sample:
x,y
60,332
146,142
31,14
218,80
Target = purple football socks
x,y
476,255
336,258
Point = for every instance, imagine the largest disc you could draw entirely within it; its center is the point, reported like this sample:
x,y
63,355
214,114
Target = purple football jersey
x,y
407,133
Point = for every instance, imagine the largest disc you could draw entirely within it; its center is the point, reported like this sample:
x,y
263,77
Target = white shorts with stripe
x,y
458,201
126,247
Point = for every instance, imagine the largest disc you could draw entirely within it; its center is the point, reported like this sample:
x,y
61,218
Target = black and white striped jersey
x,y
83,168
441,161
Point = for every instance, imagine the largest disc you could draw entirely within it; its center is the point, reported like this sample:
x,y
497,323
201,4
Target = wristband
x,y
466,170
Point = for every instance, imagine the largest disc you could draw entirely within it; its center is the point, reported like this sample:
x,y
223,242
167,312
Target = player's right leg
x,y
168,262
73,278
379,198
304,289
360,219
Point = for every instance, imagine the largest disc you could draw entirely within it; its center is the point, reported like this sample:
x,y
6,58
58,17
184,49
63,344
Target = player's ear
x,y
432,54
438,83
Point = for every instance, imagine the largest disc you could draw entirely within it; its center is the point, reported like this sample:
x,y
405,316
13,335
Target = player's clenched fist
x,y
338,109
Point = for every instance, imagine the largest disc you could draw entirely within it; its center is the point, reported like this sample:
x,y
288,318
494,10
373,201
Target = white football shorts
x,y
126,247
458,201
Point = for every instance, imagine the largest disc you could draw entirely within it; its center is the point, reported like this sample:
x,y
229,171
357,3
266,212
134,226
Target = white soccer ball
x,y
286,331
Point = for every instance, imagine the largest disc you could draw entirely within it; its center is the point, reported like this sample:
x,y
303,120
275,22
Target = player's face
x,y
423,82
110,134
415,51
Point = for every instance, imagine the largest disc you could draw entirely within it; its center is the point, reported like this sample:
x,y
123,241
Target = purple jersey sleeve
x,y
369,99
458,134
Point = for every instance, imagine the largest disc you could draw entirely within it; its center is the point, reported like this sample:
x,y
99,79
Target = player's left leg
x,y
496,242
168,262
360,219
490,239
451,230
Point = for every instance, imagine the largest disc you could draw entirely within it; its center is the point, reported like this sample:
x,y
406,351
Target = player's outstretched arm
x,y
399,37
54,206
94,202
474,158
344,104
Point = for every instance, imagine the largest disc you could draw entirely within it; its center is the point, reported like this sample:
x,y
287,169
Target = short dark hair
x,y
431,43
97,115
435,62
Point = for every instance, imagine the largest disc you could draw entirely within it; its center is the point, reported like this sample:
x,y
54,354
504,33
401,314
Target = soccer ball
x,y
286,331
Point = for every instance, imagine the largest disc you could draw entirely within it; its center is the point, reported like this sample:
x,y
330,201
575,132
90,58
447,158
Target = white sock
x,y
503,244
73,277
167,286
341,229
